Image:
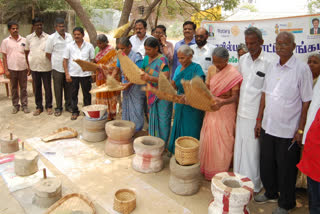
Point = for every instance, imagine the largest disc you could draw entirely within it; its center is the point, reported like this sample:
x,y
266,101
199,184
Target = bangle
x,y
300,131
258,119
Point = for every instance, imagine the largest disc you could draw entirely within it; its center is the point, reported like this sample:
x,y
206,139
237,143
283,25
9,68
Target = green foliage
x,y
102,4
250,7
314,6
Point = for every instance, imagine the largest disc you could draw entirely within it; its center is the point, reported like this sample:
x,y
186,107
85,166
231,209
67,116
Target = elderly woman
x,y
133,96
160,111
217,133
187,120
107,98
314,65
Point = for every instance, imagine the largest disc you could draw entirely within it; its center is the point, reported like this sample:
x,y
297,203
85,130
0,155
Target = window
x,y
141,10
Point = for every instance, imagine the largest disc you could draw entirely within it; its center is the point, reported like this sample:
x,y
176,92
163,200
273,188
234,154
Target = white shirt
x,y
314,107
251,86
37,55
85,52
138,45
286,87
55,46
203,56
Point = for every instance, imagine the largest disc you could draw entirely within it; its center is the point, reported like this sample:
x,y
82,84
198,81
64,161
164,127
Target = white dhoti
x,y
246,159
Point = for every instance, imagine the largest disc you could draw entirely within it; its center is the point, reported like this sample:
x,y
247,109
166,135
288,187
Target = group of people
x,y
259,114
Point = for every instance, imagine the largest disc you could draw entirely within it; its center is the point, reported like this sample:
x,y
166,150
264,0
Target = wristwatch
x,y
165,45
300,131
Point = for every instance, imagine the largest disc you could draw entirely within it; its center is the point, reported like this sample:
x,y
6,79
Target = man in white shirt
x,y
78,49
202,50
285,100
140,37
253,66
40,66
55,47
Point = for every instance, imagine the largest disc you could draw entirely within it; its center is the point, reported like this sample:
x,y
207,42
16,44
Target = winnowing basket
x,y
130,69
72,203
62,133
111,85
197,94
86,66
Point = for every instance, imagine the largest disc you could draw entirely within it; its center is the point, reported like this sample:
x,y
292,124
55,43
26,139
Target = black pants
x,y
85,83
314,196
61,86
45,78
278,169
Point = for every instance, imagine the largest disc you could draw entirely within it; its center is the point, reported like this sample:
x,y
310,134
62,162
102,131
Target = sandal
x,y
74,116
49,111
57,113
37,112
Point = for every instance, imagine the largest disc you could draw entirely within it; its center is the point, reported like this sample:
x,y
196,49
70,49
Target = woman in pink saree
x,y
218,129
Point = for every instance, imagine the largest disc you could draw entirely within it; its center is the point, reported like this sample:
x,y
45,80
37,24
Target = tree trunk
x,y
127,10
83,16
127,7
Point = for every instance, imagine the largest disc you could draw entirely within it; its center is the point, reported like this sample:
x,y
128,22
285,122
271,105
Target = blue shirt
x,y
176,62
136,58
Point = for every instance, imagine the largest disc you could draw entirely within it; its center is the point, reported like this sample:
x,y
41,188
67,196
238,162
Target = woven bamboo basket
x,y
197,94
165,86
62,133
187,150
163,95
86,66
124,201
130,69
72,203
111,85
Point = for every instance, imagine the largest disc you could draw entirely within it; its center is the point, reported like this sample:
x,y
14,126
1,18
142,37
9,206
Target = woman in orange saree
x,y
106,98
218,129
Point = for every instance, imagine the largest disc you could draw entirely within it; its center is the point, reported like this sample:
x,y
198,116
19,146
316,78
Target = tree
x,y
178,5
314,6
83,16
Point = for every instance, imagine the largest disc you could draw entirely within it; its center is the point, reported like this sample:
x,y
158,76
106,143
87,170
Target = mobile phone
x,y
260,74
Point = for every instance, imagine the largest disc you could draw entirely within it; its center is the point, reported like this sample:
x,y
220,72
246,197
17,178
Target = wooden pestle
x,y
44,173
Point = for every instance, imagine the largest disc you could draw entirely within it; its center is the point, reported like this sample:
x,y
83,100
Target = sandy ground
x,y
27,126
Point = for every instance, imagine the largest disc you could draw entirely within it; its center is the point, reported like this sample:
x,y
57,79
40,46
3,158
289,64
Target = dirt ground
x,y
27,126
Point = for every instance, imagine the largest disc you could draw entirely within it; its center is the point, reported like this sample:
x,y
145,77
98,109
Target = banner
x,y
230,34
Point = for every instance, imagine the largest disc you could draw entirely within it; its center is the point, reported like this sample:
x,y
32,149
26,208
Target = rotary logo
x,y
235,30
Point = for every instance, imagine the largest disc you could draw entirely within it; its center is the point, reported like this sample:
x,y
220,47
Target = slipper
x,y
37,112
57,113
49,111
74,116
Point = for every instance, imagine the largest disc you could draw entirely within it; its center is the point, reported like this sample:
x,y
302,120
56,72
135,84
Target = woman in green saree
x,y
187,120
160,111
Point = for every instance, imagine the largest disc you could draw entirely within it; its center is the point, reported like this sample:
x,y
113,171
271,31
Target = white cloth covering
x,y
246,160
